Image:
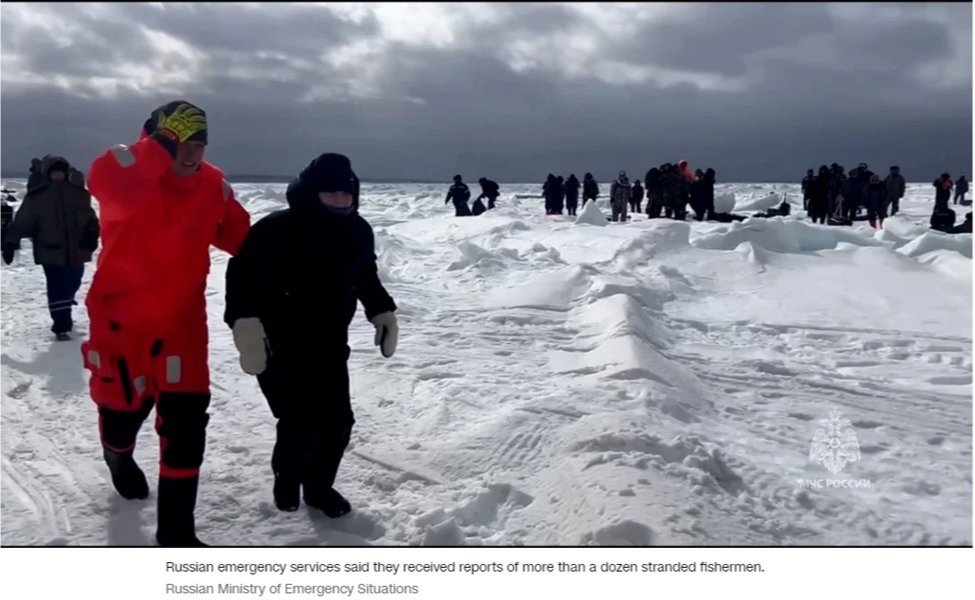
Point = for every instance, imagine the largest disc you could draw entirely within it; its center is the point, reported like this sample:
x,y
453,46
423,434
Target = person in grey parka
x,y
619,196
895,189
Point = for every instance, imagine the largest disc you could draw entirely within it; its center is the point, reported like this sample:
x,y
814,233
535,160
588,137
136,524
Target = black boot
x,y
330,502
286,492
127,477
175,524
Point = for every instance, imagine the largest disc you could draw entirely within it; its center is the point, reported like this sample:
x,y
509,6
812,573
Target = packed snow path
x,y
643,383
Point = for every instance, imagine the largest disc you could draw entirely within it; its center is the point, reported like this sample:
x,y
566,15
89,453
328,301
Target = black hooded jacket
x,y
301,271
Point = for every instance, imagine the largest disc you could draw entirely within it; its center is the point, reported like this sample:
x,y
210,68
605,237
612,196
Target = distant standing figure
x,y
636,197
876,201
895,189
961,188
459,193
590,189
819,191
942,193
619,196
655,202
572,194
808,184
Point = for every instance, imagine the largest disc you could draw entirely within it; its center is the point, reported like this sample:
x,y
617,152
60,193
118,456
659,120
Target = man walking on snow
x,y
162,207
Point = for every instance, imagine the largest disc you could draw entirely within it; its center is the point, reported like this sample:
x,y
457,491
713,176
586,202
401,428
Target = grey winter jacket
x,y
619,192
895,186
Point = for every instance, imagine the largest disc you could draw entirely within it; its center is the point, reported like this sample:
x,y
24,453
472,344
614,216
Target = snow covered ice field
x,y
644,383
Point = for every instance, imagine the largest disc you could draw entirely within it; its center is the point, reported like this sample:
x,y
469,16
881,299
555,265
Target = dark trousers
x,y
63,282
961,196
310,399
181,422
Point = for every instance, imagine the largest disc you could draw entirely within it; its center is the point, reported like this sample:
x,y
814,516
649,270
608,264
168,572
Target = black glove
x,y
8,254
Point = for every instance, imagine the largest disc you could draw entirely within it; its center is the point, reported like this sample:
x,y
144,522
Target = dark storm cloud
x,y
758,91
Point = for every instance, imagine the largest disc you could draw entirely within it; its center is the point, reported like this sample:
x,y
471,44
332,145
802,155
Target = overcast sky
x,y
759,92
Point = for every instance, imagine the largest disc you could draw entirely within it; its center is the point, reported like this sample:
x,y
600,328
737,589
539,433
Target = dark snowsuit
x,y
572,194
855,198
942,193
552,190
895,190
636,197
655,202
819,193
961,188
590,189
490,190
670,182
302,271
877,202
809,182
58,217
838,186
459,193
702,196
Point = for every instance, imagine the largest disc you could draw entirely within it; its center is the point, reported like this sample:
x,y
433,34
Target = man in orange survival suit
x,y
162,207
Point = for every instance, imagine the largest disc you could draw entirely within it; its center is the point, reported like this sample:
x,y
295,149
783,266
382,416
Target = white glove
x,y
387,332
252,344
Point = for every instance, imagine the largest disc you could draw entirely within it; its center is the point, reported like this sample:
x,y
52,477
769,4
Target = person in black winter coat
x,y
876,201
896,186
942,193
854,195
459,193
292,292
961,188
808,184
559,195
655,203
819,190
636,196
548,192
572,194
709,181
590,189
489,190
670,189
552,190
